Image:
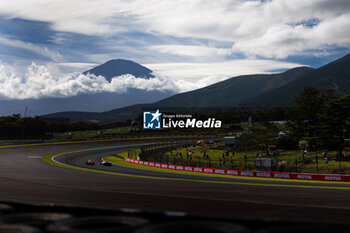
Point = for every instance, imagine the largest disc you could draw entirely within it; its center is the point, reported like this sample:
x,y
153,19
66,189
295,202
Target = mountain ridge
x,y
231,92
335,74
248,91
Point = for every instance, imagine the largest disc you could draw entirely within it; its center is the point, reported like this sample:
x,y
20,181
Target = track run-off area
x,y
57,173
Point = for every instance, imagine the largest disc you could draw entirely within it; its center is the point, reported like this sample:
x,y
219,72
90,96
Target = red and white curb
x,y
257,174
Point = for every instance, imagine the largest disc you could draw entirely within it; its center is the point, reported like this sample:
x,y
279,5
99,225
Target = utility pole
x,y
25,111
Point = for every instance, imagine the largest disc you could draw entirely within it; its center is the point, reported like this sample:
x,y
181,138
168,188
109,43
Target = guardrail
x,y
243,173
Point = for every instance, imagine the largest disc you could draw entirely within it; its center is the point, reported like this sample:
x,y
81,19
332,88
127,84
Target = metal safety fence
x,y
300,162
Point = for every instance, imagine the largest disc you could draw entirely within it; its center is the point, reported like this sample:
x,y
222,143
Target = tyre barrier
x,y
5,209
34,219
305,228
242,173
10,228
29,218
102,224
194,226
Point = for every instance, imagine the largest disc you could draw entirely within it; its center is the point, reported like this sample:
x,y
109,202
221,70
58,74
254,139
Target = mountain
x,y
334,75
119,114
233,91
274,90
116,115
96,102
259,90
228,93
117,67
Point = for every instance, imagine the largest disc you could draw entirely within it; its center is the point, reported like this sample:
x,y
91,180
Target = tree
x,y
336,120
305,117
265,135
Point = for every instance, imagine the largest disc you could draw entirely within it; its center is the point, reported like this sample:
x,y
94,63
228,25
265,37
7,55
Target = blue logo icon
x,y
151,120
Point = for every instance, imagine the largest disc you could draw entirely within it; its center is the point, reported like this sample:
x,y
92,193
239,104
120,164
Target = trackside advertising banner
x,y
258,174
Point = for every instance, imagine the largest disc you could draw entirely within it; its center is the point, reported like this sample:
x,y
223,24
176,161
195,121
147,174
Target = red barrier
x,y
258,174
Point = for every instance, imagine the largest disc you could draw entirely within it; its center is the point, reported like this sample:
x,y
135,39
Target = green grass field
x,y
289,161
323,168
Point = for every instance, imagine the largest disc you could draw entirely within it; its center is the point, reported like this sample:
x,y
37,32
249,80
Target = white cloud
x,y
214,32
282,40
42,50
199,52
85,17
273,29
39,80
193,72
80,65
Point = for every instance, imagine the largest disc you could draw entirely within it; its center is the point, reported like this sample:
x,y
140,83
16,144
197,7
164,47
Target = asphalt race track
x,y
24,177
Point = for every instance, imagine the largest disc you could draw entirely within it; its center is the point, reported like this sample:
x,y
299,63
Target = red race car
x,y
90,162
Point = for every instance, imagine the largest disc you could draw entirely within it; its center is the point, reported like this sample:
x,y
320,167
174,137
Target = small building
x,y
266,164
230,141
282,134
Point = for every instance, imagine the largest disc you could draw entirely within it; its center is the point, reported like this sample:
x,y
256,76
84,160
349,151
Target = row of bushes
x,y
15,127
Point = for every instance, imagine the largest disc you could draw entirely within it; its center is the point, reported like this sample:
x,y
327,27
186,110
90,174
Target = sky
x,y
45,45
